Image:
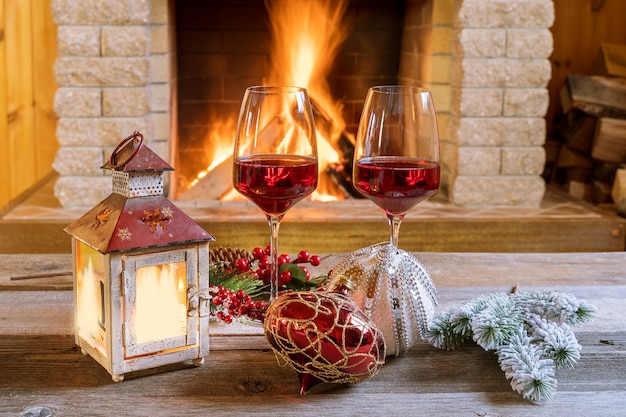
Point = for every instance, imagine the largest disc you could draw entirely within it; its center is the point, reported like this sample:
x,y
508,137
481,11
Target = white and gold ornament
x,y
393,288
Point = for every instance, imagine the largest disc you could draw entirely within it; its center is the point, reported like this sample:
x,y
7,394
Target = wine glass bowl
x,y
396,156
275,155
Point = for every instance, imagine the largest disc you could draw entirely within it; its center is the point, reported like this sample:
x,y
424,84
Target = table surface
x,y
43,373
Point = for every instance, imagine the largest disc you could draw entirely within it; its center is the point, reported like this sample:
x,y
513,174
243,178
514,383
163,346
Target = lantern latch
x,y
198,300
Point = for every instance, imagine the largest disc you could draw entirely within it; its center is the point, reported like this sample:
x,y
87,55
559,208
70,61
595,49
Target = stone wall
x,y
115,76
485,60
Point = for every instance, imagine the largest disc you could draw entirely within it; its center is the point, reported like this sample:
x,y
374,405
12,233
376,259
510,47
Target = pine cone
x,y
228,256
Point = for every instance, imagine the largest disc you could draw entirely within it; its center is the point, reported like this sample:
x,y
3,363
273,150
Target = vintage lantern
x,y
140,271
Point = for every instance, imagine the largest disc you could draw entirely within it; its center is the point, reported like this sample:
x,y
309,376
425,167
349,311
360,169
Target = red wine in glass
x,y
275,182
396,184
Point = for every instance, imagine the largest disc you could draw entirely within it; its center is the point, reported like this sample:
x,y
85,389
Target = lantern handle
x,y
137,140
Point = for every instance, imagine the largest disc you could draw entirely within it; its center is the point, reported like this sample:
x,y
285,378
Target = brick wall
x,y
486,62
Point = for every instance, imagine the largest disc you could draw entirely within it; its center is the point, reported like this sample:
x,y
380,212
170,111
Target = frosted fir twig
x,y
530,332
554,306
529,375
495,324
557,341
442,335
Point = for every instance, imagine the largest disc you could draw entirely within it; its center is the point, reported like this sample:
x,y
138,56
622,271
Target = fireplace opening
x,y
337,49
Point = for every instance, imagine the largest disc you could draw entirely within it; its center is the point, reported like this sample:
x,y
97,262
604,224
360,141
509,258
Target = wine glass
x,y
396,156
275,156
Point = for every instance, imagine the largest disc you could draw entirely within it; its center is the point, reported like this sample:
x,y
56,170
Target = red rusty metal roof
x,y
120,224
143,160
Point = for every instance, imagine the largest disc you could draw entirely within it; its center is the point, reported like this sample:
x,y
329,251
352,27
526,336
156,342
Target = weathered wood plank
x,y
51,372
36,272
447,269
42,371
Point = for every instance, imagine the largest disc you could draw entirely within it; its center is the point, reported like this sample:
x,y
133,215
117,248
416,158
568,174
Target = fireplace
x,y
335,49
136,65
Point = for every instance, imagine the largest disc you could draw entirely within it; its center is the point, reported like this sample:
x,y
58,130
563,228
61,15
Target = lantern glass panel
x,y
90,296
161,303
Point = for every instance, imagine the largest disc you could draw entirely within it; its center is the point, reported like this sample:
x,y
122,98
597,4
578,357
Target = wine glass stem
x,y
274,222
394,226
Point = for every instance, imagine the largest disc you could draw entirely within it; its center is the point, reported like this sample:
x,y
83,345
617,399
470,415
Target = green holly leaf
x,y
298,277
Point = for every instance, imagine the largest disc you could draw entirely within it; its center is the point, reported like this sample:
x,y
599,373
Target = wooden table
x,y
42,372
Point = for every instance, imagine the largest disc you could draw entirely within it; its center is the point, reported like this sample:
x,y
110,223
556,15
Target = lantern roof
x,y
121,224
131,156
139,219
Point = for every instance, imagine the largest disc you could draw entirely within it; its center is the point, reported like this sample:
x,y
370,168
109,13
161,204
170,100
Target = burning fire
x,y
306,36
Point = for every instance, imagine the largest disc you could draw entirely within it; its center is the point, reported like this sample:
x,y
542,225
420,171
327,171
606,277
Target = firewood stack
x,y
589,148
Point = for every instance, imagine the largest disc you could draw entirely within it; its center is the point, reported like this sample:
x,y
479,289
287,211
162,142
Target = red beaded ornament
x,y
324,337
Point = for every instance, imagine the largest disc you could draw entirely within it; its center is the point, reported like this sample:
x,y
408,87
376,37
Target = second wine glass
x,y
396,156
275,156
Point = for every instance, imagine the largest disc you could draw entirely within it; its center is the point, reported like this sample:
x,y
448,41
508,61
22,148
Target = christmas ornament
x,y
324,337
393,288
529,331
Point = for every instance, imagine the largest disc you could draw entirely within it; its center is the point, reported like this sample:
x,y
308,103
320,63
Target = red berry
x,y
268,250
217,300
284,277
242,265
315,260
303,256
257,253
228,319
306,272
283,259
264,262
266,275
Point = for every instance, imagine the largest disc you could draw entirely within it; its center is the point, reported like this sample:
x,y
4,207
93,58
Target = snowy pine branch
x,y
530,332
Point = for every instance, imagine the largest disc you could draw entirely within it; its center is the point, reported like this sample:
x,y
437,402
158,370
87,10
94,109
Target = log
x,y
571,158
611,60
580,190
340,172
609,142
596,95
618,192
601,193
578,134
213,185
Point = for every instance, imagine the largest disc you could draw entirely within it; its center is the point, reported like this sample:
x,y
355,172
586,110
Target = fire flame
x,y
306,36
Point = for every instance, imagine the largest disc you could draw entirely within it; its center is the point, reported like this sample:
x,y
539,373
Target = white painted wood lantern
x,y
141,271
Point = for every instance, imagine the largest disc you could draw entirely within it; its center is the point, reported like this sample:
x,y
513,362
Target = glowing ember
x,y
306,36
